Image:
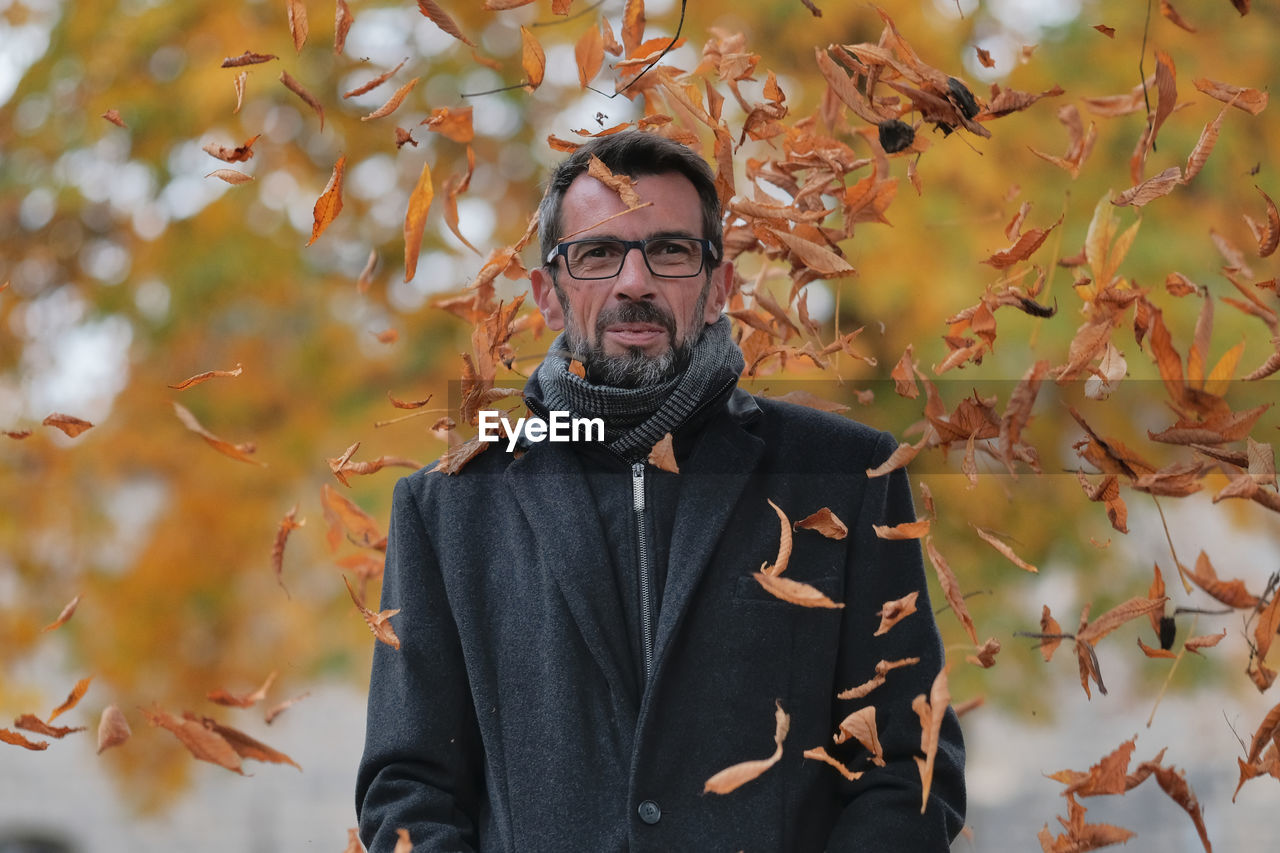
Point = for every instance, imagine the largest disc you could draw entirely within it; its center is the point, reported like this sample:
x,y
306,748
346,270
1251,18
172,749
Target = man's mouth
x,y
636,334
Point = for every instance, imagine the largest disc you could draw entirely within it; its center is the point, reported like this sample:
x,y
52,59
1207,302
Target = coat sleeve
x,y
883,808
422,768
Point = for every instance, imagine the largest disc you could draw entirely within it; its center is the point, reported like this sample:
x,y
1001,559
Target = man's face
x,y
635,328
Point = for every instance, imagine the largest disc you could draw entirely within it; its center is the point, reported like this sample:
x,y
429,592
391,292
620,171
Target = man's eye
x,y
600,250
670,248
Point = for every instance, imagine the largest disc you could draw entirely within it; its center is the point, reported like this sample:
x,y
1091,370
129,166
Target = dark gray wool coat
x,y
512,717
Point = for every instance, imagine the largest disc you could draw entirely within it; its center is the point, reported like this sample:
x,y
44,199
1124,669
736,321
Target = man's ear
x,y
548,301
718,291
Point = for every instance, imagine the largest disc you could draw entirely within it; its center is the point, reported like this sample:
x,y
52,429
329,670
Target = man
x,y
584,643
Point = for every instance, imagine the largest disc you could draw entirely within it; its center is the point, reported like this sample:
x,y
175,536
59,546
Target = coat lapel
x,y
569,543
713,477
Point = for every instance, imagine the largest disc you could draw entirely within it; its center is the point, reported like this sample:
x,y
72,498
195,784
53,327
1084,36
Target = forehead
x,y
673,205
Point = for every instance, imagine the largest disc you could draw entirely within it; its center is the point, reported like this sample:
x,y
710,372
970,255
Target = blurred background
x,y
126,267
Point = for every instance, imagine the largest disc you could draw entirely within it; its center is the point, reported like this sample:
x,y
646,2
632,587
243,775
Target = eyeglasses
x,y
667,257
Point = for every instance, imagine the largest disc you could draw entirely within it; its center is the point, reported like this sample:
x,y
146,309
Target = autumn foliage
x,y
1057,288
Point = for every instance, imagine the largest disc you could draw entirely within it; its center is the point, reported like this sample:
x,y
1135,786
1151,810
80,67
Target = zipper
x,y
646,581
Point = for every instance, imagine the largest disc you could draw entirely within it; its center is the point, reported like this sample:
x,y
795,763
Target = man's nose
x,y
634,280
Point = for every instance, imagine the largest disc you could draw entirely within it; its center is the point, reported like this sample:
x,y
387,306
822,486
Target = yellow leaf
x,y
415,221
532,59
329,204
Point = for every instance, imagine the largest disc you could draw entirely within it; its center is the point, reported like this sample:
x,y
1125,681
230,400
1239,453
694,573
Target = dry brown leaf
x,y
1231,593
820,754
73,698
906,530
1251,101
1108,776
113,116
784,546
1194,644
375,82
276,710
238,154
451,124
342,21
1171,15
379,623
985,655
415,221
737,775
297,10
248,58
1268,623
532,58
113,728
931,712
794,592
1137,606
991,539
663,455
16,739
235,451
823,521
230,176
1204,146
1269,238
1028,242
882,670
1155,653
340,514
1150,189
893,612
818,259
70,425
301,91
455,458
902,455
403,843
287,524
950,589
861,725
193,381
33,724
621,184
1052,631
441,19
589,54
67,612
241,700
393,103
201,742
329,204
245,746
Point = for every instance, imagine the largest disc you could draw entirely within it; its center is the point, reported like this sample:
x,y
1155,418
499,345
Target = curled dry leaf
x,y
342,21
113,728
986,654
1092,632
248,58
893,612
415,220
1268,624
621,184
456,458
898,459
193,381
737,775
1155,653
882,670
274,711
113,116
393,103
17,739
239,83
663,455
1052,632
329,204
906,530
794,592
379,623
301,91
297,10
532,58
991,539
16,434
931,712
66,614
1108,776
820,754
951,589
451,124
340,513
32,723
238,154
375,82
1269,238
861,725
589,55
1231,593
1195,644
1150,189
784,546
441,19
70,425
288,524
235,451
245,746
230,176
241,700
403,843
203,743
824,521
73,698
1251,101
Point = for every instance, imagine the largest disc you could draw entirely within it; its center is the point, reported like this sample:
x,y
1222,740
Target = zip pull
x,y
643,568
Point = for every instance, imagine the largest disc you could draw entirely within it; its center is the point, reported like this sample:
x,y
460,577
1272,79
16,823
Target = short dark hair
x,y
632,153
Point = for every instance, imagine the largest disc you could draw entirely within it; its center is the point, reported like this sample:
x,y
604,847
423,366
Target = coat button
x,y
649,812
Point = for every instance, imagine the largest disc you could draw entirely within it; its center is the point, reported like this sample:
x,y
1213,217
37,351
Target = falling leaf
x,y
1251,101
589,54
203,743
375,82
1269,238
1194,644
415,221
823,521
276,710
1108,776
893,612
931,712
985,656
1231,593
248,58
403,844
739,774
17,434
70,425
861,725
113,116
633,23
73,698
342,21
393,103
821,260
456,458
239,83
241,700
1117,616
784,545
621,184
17,739
882,670
991,539
1171,15
66,614
32,723
1154,652
441,19
1204,146
950,588
342,465
663,455
286,525
794,592
242,452
501,5
906,530
984,58
1025,246
1150,189
230,176
1052,632
451,124
113,728
245,746
533,59
820,753
342,514
329,204
903,454
298,89
297,23
1109,32
206,376
379,623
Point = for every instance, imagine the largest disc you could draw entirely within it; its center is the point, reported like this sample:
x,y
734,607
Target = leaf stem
x,y
1169,678
1182,572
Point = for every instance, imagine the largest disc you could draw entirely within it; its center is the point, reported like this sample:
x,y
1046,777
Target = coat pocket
x,y
748,592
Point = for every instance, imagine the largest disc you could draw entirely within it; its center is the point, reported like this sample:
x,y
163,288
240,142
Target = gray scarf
x,y
636,418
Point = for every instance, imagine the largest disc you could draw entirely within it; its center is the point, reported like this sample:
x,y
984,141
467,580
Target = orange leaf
x,y
893,612
739,774
820,753
298,89
532,59
819,259
245,746
66,613
794,592
906,530
375,82
241,700
1151,189
455,458
1155,653
990,538
663,456
73,699
113,728
1137,606
861,725
1231,593
113,116
1268,623
286,525
297,23
393,103
16,739
632,25
784,545
441,19
415,221
329,204
1194,644
201,742
1171,14
205,377
950,589
239,154
1025,246
882,670
1269,239
276,710
589,53
230,176
72,426
1252,101
621,184
34,724
379,623
341,513
824,521
452,124
1208,138
1050,627
986,654
931,712
248,58
342,21
235,451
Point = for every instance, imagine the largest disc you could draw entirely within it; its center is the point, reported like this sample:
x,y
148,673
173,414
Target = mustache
x,y
635,312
